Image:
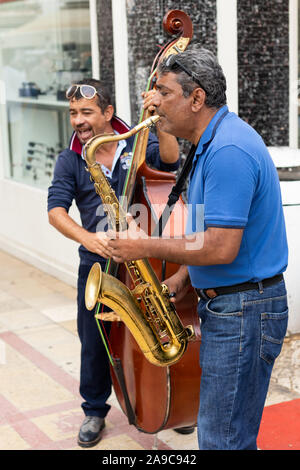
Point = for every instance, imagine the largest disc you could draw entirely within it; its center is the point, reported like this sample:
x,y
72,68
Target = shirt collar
x,y
121,145
118,125
208,133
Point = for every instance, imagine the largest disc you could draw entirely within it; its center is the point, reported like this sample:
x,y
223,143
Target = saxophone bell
x,y
93,285
106,289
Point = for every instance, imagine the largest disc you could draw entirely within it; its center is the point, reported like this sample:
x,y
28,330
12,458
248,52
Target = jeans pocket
x,y
273,330
225,305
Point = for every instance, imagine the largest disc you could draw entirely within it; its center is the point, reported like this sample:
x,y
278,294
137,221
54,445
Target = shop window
x,y
44,46
298,97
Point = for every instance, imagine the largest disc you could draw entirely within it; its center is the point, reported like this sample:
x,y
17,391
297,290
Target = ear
x,y
109,112
198,99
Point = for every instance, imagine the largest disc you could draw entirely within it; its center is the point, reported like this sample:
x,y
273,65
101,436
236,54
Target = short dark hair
x,y
103,95
205,68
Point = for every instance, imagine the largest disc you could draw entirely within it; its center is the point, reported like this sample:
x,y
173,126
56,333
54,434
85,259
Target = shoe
x,y
90,432
185,430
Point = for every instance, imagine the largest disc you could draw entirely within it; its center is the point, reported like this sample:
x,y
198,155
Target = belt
x,y
206,294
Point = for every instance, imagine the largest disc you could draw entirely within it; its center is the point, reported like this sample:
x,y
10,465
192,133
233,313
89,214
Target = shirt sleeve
x,y
231,177
62,190
153,156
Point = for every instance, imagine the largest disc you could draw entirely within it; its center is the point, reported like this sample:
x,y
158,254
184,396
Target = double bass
x,y
155,397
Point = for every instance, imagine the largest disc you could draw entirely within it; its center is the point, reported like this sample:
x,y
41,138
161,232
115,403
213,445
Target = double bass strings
x,y
103,334
105,341
135,141
164,51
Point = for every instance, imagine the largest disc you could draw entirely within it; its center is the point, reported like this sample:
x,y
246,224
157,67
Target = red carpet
x,y
280,427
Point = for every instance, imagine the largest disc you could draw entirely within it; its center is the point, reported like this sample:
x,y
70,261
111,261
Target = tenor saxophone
x,y
146,310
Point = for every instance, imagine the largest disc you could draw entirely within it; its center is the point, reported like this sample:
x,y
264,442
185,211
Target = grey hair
x,y
205,68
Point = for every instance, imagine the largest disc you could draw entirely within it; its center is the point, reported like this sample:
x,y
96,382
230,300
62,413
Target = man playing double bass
x,y
92,113
236,262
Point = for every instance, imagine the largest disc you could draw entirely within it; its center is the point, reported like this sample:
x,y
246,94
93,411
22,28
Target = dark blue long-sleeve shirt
x,y
71,181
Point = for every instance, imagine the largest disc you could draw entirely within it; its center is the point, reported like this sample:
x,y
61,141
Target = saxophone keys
x,y
140,289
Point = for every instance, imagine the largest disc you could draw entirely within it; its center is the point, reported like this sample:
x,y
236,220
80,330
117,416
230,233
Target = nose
x,y
77,120
156,100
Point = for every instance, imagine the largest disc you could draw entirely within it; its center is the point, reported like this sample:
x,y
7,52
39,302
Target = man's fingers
x,y
129,218
117,259
111,234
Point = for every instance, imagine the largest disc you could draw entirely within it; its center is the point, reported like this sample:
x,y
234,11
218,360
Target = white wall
x,y
292,218
26,233
120,41
290,190
227,48
293,71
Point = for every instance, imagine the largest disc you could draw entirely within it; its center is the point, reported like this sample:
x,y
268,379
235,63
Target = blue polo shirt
x,y
234,184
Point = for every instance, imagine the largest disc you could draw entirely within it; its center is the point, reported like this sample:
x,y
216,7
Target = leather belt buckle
x,y
211,293
206,294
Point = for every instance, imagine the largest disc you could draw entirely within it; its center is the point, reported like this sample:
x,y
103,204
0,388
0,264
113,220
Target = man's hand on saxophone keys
x,y
124,246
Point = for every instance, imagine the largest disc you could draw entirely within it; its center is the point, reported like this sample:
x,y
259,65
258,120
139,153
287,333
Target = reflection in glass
x,y
298,94
44,46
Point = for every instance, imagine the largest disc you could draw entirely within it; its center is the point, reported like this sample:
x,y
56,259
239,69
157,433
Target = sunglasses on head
x,y
173,62
86,91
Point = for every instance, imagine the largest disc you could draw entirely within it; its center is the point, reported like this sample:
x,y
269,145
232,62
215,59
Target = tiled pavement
x,y
39,370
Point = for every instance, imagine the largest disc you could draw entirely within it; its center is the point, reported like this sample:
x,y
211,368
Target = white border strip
x,y
293,68
38,261
228,48
120,37
94,40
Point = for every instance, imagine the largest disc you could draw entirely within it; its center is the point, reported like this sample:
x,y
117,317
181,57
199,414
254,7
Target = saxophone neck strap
x,y
179,185
175,193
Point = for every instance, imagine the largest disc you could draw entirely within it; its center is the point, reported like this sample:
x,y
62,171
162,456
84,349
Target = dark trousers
x,y
95,381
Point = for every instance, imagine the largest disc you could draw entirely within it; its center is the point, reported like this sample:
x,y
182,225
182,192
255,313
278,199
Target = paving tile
x,y
11,440
61,425
25,288
9,304
49,300
120,442
286,373
26,386
57,344
279,394
179,441
53,283
23,319
61,313
16,271
70,325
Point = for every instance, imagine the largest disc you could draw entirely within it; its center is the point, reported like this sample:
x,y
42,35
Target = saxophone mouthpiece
x,y
150,121
154,118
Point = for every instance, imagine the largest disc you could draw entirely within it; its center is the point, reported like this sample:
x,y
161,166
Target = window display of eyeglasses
x,y
44,47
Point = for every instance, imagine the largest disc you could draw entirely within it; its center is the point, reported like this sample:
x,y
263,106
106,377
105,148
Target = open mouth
x,y
84,134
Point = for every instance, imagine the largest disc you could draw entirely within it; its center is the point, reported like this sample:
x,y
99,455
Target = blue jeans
x,y
95,380
242,334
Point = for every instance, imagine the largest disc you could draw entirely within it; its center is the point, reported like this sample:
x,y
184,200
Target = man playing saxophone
x,y
236,262
92,113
